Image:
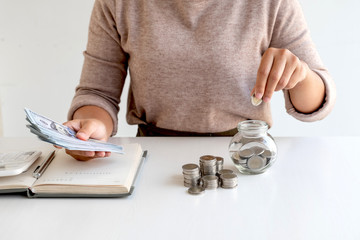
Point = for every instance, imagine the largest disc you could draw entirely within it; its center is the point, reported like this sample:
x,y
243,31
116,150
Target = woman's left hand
x,y
279,69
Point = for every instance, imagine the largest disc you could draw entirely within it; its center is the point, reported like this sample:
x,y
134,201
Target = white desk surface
x,y
311,192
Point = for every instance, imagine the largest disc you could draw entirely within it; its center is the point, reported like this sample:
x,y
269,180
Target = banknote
x,y
58,134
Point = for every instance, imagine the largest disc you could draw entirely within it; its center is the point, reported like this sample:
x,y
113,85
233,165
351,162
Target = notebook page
x,y
118,169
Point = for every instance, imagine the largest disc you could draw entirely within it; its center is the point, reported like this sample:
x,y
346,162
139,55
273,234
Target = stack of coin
x,y
208,165
228,180
210,182
219,163
210,174
191,174
223,171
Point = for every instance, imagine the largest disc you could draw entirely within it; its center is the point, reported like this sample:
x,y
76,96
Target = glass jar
x,y
252,149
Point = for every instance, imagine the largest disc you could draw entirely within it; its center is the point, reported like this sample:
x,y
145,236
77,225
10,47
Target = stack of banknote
x,y
50,131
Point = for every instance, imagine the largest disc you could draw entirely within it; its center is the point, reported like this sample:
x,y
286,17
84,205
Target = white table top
x,y
311,192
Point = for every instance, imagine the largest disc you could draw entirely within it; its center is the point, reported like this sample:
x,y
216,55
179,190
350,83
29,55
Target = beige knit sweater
x,y
192,63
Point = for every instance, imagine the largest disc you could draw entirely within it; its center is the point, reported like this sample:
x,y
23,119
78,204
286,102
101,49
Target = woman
x,y
194,65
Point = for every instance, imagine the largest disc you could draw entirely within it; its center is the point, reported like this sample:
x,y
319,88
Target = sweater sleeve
x,y
291,32
105,64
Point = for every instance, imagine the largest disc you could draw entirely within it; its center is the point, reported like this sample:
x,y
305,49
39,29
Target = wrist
x,y
306,75
308,95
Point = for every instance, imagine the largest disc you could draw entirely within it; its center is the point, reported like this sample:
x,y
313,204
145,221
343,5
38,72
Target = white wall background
x,y
41,45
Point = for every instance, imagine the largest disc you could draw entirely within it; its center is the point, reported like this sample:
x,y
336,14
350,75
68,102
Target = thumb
x,y
78,126
86,130
82,135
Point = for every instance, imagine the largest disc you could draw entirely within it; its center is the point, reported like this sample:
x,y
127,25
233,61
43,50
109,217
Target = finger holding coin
x,y
255,101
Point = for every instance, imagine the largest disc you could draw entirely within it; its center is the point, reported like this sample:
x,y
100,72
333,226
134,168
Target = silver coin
x,y
256,162
235,155
219,160
205,167
208,164
246,153
210,178
207,157
219,163
255,101
229,180
227,176
212,169
190,167
257,150
207,160
267,154
210,182
187,185
210,187
229,187
192,178
237,159
223,171
209,169
209,173
192,183
196,190
192,173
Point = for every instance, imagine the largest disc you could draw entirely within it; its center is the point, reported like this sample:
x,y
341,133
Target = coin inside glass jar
x,y
246,153
257,150
256,162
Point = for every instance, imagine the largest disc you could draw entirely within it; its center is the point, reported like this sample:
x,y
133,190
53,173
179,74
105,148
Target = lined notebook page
x,y
118,169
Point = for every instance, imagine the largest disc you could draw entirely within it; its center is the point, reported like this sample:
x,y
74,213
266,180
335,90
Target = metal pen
x,y
40,169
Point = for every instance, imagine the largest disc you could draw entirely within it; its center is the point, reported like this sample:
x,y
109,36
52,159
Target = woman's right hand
x,y
88,128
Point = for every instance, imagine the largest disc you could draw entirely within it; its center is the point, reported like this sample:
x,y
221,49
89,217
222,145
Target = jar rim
x,y
253,125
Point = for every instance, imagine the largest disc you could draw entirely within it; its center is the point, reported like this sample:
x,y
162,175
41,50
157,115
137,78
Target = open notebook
x,y
112,176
